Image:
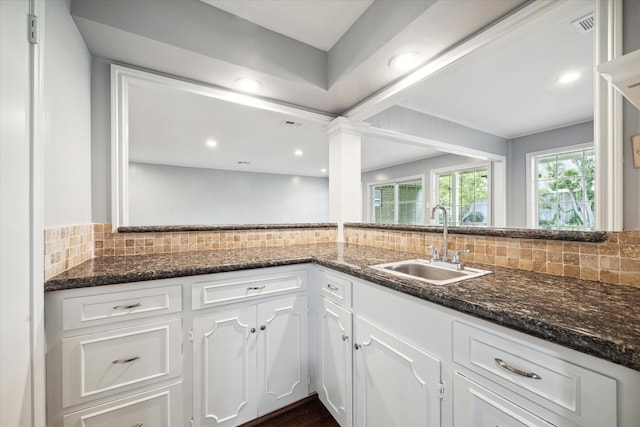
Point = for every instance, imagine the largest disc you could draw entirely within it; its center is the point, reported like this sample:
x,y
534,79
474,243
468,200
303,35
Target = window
x,y
464,192
561,188
397,203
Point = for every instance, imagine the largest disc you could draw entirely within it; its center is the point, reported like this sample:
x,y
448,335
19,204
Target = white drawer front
x,y
536,375
336,288
224,291
80,312
108,362
157,408
476,406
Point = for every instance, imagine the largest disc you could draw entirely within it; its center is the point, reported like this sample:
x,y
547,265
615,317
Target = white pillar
x,y
345,193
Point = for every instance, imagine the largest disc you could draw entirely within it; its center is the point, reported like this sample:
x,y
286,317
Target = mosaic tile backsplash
x,y
62,254
615,261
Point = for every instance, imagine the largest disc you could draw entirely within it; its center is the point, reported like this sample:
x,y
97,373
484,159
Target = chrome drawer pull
x,y
256,288
127,307
517,371
123,361
345,337
333,288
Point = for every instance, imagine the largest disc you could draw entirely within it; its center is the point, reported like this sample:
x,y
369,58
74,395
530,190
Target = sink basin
x,y
434,272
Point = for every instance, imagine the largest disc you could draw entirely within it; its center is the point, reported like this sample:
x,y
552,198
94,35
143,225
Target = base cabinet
x,y
335,370
396,383
249,360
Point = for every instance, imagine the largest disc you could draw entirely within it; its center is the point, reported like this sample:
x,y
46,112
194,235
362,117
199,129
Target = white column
x,y
345,193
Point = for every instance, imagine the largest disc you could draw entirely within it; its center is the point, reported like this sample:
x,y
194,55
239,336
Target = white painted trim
x,y
389,96
432,143
608,127
531,190
456,168
38,338
121,78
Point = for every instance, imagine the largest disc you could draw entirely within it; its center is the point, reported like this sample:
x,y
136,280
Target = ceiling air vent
x,y
584,24
291,124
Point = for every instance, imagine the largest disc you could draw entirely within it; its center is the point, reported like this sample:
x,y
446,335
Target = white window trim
x,y
532,188
369,200
435,192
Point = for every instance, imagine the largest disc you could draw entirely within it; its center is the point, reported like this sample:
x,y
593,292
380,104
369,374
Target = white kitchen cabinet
x,y
249,360
335,370
114,356
397,384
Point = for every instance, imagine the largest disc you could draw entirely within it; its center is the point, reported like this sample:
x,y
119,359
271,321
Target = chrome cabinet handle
x,y
256,288
345,337
357,346
263,327
123,361
127,307
138,425
516,370
333,288
252,330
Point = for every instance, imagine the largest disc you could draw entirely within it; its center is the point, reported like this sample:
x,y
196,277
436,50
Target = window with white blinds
x,y
397,203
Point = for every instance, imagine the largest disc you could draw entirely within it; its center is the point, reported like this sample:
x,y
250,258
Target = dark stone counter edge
x,y
230,227
516,233
594,346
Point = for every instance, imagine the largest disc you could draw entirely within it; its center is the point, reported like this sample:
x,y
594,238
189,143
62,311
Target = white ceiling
x,y
172,127
507,89
319,23
510,88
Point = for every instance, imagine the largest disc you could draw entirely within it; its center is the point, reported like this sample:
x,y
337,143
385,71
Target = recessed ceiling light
x,y
298,152
247,85
569,77
323,170
211,143
405,61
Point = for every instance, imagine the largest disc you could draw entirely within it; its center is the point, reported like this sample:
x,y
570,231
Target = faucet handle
x,y
456,255
436,252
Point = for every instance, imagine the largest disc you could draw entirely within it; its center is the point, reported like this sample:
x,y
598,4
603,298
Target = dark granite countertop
x,y
221,227
596,318
515,233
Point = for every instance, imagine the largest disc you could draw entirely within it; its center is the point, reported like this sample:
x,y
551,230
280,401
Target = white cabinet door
x,y
282,352
224,366
335,371
249,361
397,384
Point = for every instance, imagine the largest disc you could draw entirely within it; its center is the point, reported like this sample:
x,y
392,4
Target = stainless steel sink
x,y
434,272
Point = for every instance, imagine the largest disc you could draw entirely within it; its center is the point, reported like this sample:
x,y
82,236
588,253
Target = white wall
x,y
173,195
67,115
517,163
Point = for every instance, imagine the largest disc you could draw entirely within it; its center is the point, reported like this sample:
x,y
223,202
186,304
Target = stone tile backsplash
x,y
66,247
615,261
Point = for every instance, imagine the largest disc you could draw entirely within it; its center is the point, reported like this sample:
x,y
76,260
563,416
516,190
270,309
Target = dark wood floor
x,y
309,413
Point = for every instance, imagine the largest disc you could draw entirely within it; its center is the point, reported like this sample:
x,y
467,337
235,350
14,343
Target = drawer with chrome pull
x,y
336,288
238,288
104,363
161,407
533,373
80,312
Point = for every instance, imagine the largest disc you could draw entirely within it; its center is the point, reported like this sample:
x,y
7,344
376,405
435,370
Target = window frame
x,y
531,180
396,182
459,168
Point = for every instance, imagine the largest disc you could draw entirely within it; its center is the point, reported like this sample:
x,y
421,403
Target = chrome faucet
x,y
445,231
